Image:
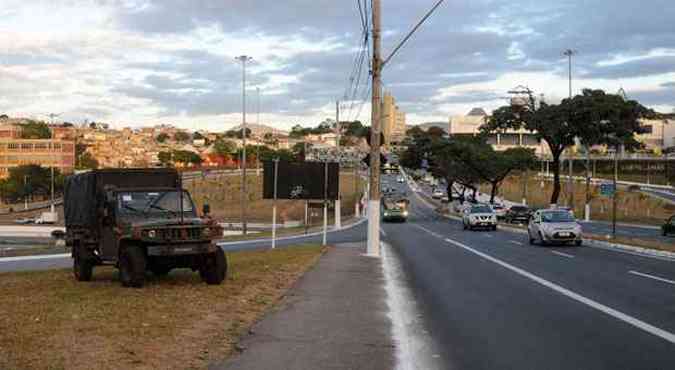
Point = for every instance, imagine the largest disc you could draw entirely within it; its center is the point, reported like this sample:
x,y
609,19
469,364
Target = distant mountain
x,y
260,129
427,125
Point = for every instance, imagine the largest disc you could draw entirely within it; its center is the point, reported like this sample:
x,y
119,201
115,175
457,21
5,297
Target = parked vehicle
x,y
24,221
668,228
437,194
47,218
554,226
393,211
400,179
500,211
138,220
518,214
479,216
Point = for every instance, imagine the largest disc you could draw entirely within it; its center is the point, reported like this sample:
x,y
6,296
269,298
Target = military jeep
x,y
138,220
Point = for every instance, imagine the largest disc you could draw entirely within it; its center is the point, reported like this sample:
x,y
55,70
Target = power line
x,y
405,39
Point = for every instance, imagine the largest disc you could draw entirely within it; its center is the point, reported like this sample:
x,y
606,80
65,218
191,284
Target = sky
x,y
148,62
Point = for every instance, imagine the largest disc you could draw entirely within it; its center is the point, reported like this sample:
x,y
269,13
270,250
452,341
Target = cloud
x,y
144,61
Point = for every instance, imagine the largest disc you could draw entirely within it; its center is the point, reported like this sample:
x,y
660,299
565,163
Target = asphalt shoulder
x,y
334,317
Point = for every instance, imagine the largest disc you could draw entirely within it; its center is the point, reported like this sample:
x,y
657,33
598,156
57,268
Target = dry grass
x,y
223,195
632,207
50,321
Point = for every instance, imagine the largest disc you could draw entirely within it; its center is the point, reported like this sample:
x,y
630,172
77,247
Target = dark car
x,y
668,227
518,214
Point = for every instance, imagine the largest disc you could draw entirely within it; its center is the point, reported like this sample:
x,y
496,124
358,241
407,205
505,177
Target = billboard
x,y
302,180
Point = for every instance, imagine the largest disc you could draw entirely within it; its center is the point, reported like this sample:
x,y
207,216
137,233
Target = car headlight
x,y
405,213
152,234
386,214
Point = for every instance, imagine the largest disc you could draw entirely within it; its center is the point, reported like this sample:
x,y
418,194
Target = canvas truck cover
x,y
84,192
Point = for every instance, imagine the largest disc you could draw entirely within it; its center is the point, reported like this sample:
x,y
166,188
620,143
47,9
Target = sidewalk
x,y
335,317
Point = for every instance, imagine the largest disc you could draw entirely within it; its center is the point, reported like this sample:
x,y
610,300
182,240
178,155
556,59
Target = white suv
x,y
479,216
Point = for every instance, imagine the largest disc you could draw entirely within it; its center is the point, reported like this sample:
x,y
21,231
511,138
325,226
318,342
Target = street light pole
x,y
243,59
257,147
373,247
338,210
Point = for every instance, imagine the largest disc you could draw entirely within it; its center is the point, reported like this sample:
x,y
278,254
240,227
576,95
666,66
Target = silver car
x,y
554,226
479,216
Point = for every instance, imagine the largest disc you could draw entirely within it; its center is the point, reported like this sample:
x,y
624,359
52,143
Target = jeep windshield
x,y
154,204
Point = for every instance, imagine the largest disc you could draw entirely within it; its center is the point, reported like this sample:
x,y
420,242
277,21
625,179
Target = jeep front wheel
x,y
83,266
214,268
132,266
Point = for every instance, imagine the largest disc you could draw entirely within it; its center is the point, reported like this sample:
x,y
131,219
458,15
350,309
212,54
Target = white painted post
x,y
274,205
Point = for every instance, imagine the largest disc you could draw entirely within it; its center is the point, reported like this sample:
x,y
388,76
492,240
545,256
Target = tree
x,y
4,116
162,137
165,158
181,137
186,157
236,134
593,116
354,128
35,130
298,151
197,136
224,147
86,161
298,131
30,180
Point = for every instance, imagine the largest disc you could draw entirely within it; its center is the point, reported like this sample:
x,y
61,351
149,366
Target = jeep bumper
x,y
181,249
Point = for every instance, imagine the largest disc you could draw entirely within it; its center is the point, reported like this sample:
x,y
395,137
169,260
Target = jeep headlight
x,y
152,234
405,213
386,214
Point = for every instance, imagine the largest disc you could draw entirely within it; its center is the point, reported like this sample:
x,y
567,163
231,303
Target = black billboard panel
x,y
301,180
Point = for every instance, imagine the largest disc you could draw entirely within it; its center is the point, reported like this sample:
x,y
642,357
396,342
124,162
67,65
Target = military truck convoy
x,y
138,220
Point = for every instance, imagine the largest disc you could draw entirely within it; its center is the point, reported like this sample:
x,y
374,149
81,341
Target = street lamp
x,y
243,59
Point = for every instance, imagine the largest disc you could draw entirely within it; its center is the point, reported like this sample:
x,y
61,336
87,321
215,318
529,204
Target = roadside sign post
x,y
274,204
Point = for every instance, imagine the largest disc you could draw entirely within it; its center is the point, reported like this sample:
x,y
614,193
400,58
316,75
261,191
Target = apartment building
x,y
393,120
14,151
470,125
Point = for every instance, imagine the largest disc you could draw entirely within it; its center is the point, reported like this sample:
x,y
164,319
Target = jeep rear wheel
x,y
132,266
83,265
214,268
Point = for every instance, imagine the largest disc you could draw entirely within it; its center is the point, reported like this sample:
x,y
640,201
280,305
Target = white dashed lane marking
x,y
652,277
562,254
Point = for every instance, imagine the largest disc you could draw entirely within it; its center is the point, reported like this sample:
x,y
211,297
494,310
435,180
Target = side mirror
x,y
206,209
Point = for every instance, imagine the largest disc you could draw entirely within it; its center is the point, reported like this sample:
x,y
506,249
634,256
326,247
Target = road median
x,y
51,321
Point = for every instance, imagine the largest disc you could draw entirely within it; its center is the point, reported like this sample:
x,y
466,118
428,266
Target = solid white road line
x,y
562,254
670,337
383,233
488,235
38,257
515,242
652,277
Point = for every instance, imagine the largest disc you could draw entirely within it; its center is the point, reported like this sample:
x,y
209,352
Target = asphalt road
x,y
492,301
605,228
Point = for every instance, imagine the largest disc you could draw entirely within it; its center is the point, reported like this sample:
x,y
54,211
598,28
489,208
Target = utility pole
x,y
373,247
243,59
338,131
